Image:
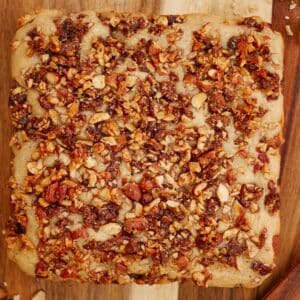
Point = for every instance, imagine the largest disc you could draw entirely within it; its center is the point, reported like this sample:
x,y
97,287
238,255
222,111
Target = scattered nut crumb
x,y
288,30
287,17
293,5
40,295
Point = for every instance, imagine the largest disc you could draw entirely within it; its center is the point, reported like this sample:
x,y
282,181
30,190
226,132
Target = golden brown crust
x,y
146,148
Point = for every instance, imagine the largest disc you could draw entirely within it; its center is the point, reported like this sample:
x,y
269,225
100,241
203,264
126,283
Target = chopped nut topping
x,y
99,82
261,268
199,188
132,191
198,100
147,160
223,193
172,203
52,78
73,109
163,20
99,117
137,224
35,166
54,116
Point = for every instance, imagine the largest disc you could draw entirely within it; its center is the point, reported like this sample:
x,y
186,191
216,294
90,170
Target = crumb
x,y
287,17
3,231
16,297
4,283
293,5
289,30
39,295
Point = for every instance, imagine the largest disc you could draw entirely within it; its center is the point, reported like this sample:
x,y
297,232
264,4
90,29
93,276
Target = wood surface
x,y
288,287
289,254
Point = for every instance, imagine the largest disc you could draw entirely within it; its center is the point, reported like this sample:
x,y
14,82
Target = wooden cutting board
x,y
288,287
25,286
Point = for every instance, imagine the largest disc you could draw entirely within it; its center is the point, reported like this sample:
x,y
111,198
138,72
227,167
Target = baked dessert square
x,y
146,148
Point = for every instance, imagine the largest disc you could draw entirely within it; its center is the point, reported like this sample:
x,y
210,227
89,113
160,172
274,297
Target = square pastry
x,y
146,148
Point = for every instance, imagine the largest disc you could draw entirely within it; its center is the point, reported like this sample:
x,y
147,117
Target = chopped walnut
x,y
223,193
198,100
98,82
133,191
99,117
261,268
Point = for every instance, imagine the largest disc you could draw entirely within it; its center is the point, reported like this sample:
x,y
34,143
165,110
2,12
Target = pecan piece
x,y
216,103
274,142
261,268
272,201
248,194
55,192
212,205
262,238
135,224
253,22
122,268
41,269
232,43
79,233
208,241
182,262
132,191
147,184
95,217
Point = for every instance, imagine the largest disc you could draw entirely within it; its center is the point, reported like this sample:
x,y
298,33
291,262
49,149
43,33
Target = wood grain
x,y
288,288
290,177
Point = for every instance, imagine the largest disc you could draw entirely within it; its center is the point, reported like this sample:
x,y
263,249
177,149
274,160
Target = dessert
x,y
146,148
